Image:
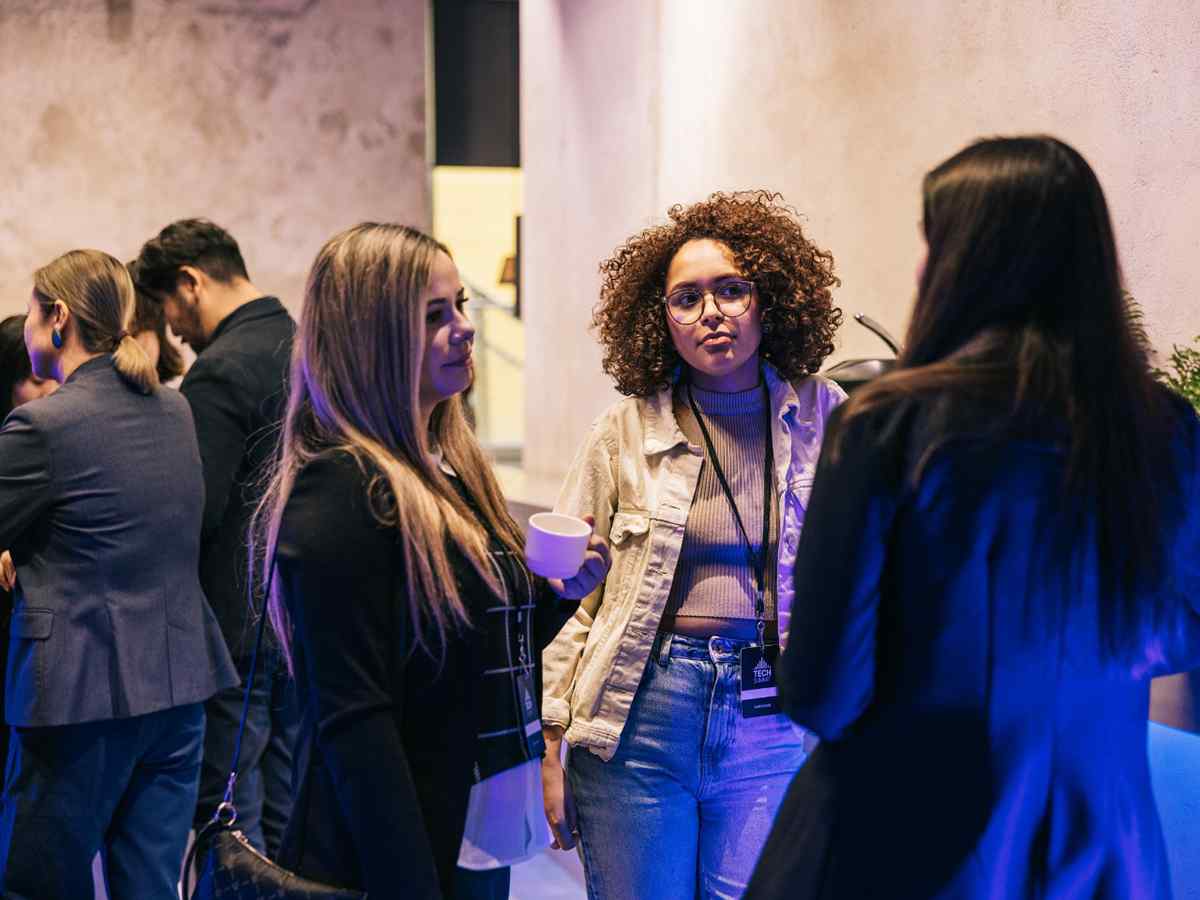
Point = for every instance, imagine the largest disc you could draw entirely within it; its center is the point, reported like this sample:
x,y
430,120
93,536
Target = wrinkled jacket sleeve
x,y
590,489
25,476
827,672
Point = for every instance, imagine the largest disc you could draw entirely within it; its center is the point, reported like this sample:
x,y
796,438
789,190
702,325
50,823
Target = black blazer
x,y
385,758
976,744
100,504
237,389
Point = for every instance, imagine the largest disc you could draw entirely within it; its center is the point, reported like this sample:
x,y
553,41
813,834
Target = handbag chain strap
x,y
226,812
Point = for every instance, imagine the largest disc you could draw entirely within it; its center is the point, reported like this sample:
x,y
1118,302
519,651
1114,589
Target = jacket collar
x,y
95,365
662,429
260,308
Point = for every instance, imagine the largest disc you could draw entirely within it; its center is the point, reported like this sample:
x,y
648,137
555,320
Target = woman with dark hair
x,y
112,647
149,328
401,594
662,683
18,384
1003,548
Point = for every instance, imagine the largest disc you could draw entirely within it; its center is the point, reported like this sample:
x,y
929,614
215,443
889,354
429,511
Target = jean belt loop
x,y
664,648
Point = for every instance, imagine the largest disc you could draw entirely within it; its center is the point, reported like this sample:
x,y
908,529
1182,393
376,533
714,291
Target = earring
x,y
56,339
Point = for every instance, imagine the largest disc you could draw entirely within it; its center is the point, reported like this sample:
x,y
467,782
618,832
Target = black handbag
x,y
233,869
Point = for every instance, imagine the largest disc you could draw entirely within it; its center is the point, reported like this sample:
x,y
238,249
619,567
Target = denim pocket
x,y
627,524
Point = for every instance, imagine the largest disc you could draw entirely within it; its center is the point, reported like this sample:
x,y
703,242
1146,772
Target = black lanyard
x,y
758,561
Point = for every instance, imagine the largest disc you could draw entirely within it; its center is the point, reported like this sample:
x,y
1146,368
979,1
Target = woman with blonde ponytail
x,y
112,647
399,590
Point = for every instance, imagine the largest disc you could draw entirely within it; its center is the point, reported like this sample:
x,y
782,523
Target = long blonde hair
x,y
355,377
98,291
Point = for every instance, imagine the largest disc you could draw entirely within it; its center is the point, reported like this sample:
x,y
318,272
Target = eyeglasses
x,y
686,305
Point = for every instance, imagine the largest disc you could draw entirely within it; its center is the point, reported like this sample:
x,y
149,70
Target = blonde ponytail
x,y
133,364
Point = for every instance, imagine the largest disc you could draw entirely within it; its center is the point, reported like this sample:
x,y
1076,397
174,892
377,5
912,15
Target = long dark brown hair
x,y
1020,307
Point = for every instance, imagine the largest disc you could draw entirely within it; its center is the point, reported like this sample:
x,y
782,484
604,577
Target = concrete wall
x,y
282,120
629,106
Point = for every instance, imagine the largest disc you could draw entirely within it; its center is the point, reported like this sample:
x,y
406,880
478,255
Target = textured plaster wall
x,y
842,105
282,120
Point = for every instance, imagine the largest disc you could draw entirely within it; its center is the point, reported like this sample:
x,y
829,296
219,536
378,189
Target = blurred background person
x,y
18,385
112,648
149,329
713,326
194,271
1002,548
415,628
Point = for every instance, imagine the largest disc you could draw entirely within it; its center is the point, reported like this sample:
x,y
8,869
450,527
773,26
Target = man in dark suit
x,y
236,389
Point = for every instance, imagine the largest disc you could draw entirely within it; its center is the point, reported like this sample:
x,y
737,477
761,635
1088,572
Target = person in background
x,y
1002,548
150,330
401,589
236,389
18,385
112,647
713,326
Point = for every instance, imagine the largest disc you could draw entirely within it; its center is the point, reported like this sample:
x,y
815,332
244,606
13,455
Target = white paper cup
x,y
555,544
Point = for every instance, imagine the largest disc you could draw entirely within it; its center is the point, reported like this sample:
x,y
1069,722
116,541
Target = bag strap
x,y
226,812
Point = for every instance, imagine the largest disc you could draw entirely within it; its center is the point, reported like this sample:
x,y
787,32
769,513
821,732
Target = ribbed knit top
x,y
713,577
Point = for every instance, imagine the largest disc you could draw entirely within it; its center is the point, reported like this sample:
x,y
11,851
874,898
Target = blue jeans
x,y
126,787
684,807
263,795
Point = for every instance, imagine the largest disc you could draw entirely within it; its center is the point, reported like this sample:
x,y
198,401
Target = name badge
x,y
758,690
530,720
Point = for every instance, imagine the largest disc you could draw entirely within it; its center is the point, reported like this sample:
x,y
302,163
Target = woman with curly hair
x,y
662,683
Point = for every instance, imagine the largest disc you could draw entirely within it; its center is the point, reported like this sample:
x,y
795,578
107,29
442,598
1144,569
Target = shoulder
x,y
625,418
214,365
28,426
73,403
328,516
818,396
1186,433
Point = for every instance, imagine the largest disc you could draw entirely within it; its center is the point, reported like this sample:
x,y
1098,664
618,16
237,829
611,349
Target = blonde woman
x,y
112,647
399,587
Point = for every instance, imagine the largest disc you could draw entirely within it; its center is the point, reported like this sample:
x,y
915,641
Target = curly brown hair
x,y
792,275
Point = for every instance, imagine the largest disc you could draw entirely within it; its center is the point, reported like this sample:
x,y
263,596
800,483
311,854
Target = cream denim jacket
x,y
637,474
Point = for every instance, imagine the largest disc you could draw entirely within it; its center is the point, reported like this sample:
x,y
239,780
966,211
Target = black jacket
x,y
975,744
237,391
387,748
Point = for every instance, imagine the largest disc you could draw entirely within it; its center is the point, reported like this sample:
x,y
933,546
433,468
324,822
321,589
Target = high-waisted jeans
x,y
684,807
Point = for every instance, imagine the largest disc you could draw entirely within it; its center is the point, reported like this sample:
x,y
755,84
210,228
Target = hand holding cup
x,y
567,552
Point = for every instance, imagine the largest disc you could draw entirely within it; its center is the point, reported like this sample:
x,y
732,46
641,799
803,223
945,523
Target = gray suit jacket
x,y
101,497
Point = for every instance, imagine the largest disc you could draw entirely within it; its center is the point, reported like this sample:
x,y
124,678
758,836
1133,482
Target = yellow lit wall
x,y
474,214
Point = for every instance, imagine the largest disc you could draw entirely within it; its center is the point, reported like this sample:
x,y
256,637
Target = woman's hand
x,y
8,572
596,563
556,793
